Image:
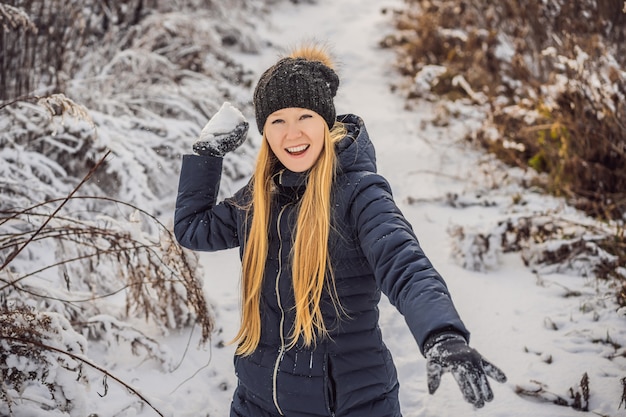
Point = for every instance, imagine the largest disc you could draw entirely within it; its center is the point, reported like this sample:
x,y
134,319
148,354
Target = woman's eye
x,y
305,116
277,121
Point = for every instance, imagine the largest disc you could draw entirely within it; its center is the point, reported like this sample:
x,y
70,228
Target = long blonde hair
x,y
310,258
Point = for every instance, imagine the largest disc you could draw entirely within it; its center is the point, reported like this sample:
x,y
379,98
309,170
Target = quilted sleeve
x,y
402,270
200,223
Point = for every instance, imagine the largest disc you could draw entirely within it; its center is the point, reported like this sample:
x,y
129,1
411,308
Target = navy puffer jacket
x,y
372,248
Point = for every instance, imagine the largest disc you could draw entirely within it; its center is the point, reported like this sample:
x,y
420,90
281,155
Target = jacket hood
x,y
355,151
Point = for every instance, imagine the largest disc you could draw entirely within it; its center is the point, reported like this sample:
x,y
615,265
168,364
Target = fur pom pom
x,y
313,52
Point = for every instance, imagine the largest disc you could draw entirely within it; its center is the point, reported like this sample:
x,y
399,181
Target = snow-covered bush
x,y
40,364
98,102
547,243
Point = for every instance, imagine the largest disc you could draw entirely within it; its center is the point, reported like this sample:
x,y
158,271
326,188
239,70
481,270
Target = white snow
x,y
426,78
543,329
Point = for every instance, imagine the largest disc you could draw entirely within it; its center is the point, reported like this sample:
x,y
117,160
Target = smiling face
x,y
296,136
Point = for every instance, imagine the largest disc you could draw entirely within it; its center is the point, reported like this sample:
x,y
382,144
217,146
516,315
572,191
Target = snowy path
x,y
506,309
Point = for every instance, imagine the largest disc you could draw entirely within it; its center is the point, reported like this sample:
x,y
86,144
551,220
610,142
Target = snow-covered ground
x,y
522,321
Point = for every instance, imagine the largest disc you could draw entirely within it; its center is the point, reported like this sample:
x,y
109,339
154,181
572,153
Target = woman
x,y
320,237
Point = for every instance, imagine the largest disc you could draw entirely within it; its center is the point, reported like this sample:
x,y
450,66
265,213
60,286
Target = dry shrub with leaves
x,y
553,81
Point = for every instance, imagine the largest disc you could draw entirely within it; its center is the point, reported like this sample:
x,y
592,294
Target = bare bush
x,y
70,256
41,55
89,262
12,18
42,362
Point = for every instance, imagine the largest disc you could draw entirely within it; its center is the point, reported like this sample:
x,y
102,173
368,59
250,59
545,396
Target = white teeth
x,y
297,148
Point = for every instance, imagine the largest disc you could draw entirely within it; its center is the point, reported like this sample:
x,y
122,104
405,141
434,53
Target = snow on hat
x,y
304,79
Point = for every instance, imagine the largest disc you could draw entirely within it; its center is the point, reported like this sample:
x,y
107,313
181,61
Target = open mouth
x,y
297,150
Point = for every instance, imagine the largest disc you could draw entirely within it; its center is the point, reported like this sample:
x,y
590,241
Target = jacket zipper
x,y
281,351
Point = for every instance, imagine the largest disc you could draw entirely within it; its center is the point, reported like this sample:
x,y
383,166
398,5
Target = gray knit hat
x,y
296,82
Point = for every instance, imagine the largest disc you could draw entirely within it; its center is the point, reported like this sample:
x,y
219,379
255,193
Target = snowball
x,y
225,120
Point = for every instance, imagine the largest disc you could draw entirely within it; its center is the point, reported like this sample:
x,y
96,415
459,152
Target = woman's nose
x,y
293,131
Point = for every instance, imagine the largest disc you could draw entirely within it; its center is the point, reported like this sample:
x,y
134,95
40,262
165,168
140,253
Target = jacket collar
x,y
290,179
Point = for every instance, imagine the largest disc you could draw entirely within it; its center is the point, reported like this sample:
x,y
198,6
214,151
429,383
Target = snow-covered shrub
x,y
475,250
546,243
93,129
40,365
577,396
116,334
149,76
554,244
148,79
96,263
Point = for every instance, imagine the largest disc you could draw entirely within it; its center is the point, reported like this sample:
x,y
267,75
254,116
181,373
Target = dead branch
x,y
14,254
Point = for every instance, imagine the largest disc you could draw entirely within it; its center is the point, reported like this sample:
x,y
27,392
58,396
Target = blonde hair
x,y
310,258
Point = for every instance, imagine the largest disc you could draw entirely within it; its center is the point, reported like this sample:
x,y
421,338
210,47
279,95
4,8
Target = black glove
x,y
449,352
220,144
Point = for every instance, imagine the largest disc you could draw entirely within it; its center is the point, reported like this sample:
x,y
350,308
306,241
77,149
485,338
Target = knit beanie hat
x,y
305,79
